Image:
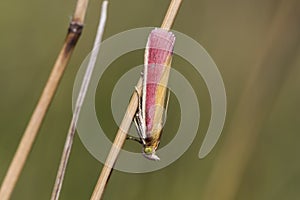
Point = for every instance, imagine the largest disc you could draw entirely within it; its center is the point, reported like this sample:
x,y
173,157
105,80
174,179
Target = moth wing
x,y
158,56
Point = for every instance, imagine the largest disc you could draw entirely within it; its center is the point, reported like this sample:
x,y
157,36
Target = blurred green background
x,y
254,44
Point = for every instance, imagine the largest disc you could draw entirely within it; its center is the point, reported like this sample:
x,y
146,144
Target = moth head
x,y
149,152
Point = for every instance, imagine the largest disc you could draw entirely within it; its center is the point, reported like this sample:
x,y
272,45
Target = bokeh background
x,y
255,45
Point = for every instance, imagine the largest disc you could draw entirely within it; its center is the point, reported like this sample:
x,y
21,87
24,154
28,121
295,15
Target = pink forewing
x,y
160,47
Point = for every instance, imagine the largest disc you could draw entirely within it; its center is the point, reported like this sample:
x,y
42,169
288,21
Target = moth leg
x,y
129,137
138,120
139,127
139,110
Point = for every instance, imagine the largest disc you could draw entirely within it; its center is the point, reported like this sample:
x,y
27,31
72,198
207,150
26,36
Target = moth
x,y
153,99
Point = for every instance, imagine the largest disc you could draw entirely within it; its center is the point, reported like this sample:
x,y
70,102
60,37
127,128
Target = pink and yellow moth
x,y
149,116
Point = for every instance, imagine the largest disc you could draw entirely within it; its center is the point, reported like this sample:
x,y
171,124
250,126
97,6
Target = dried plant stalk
x,y
79,102
38,115
126,122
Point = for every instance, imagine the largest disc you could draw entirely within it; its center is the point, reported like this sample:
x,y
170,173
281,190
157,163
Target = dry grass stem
x,y
171,14
126,122
81,96
38,115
